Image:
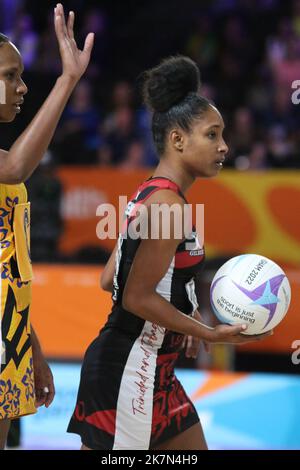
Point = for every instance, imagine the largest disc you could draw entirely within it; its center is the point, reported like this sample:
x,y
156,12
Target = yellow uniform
x,y
17,397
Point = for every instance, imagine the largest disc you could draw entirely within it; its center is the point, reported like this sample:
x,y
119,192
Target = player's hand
x,y
43,381
74,61
232,334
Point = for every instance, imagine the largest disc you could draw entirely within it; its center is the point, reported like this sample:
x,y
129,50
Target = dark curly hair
x,y
171,91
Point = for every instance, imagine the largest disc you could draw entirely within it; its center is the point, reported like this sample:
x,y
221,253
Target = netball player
x,y
129,396
26,380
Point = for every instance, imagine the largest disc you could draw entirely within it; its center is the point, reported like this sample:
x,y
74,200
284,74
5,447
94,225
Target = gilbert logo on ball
x,y
253,290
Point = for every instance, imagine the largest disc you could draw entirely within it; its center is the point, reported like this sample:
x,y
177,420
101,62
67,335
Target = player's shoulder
x,y
166,196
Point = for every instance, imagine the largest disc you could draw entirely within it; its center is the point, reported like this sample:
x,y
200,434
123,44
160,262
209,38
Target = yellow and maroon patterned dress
x,y
17,396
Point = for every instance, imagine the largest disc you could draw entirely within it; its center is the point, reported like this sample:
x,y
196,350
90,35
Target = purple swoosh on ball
x,y
265,294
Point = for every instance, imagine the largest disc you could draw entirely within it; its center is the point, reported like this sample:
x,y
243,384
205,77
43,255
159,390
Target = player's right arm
x,y
150,264
19,162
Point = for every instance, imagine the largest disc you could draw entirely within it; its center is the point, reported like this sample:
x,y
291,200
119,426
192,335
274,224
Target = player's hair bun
x,y
170,82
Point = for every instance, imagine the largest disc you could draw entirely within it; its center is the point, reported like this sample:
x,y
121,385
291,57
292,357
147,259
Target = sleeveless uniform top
x,y
129,396
16,380
177,286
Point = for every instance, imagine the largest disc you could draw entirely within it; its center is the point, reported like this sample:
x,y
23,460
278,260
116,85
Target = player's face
x,y
204,147
12,87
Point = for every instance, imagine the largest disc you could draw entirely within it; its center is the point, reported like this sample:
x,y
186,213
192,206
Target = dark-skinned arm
x,y
19,162
150,264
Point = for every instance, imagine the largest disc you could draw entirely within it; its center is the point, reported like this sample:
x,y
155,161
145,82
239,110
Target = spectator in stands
x,y
77,138
121,135
45,191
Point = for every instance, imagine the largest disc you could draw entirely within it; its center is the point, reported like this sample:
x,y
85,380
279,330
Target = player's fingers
x,y
70,24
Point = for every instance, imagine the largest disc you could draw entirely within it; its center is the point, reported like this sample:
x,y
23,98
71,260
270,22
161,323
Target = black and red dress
x,y
129,396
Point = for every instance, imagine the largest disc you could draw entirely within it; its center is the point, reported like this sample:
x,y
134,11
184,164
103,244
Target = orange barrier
x,y
244,212
69,308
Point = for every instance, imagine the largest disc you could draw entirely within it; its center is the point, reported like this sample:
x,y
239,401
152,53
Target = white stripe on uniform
x,y
135,401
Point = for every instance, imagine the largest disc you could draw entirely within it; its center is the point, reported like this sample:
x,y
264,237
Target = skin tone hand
x,y
232,334
43,378
219,334
74,61
42,374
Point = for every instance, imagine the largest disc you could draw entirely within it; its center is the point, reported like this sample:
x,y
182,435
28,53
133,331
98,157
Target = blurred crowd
x,y
248,53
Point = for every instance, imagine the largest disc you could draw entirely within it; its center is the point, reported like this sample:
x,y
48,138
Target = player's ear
x,y
176,138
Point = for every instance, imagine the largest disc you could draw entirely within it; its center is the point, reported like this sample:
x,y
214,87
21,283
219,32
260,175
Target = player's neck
x,y
175,174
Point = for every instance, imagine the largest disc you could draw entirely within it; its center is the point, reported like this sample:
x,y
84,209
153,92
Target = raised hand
x,y
74,61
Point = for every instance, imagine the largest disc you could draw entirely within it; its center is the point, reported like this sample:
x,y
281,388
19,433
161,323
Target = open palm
x,y
74,61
